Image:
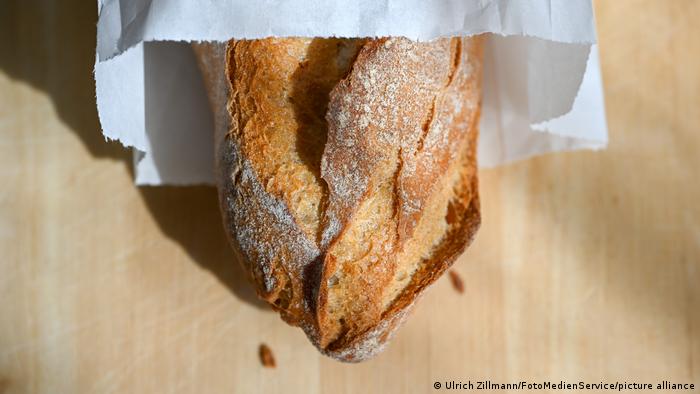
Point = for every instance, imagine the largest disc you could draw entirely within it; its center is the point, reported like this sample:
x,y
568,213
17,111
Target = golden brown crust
x,y
403,115
348,177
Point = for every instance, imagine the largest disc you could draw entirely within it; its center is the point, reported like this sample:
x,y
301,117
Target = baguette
x,y
346,174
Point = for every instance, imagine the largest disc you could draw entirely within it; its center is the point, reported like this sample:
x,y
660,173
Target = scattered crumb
x,y
457,282
4,385
266,357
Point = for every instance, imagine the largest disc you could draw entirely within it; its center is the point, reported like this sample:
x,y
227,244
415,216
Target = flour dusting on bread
x,y
347,175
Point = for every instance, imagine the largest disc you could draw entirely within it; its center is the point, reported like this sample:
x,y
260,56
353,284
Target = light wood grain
x,y
587,266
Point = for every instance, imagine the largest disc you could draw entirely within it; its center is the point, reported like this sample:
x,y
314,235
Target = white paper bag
x,y
542,83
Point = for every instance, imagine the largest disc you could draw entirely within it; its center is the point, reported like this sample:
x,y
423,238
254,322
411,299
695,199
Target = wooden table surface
x,y
587,266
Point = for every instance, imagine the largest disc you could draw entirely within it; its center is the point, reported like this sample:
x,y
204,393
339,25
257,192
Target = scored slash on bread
x,y
347,174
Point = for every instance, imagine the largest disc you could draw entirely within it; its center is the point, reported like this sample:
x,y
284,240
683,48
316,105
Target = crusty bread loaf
x,y
347,174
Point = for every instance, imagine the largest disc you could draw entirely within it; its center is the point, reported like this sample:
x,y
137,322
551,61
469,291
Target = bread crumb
x,y
4,385
457,282
266,357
